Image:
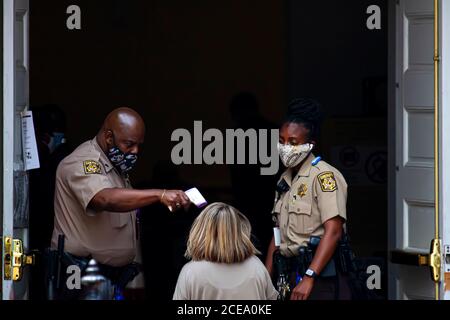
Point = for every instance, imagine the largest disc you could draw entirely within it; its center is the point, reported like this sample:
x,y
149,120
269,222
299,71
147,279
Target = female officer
x,y
310,206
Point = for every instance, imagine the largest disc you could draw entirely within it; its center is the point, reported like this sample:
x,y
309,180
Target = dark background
x,y
178,61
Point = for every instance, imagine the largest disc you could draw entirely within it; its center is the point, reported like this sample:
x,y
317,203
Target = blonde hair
x,y
220,234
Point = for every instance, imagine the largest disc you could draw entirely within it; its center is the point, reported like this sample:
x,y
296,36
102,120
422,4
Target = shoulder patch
x,y
327,181
92,167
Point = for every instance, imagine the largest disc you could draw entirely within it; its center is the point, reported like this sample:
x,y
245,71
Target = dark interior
x,y
177,61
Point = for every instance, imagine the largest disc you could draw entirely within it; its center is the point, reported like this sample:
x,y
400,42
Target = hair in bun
x,y
305,111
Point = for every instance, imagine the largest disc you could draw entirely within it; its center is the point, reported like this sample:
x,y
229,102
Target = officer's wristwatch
x,y
310,273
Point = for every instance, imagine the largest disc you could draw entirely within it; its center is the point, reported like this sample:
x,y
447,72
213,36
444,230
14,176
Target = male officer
x,y
95,205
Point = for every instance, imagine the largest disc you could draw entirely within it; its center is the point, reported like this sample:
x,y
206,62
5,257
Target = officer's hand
x,y
303,289
175,199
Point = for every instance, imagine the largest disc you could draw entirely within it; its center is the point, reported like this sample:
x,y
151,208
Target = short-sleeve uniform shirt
x,y
317,193
109,237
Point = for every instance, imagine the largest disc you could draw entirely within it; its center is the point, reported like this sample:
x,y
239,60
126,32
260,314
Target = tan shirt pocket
x,y
300,220
119,220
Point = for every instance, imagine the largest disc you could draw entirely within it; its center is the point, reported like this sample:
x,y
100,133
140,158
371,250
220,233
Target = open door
x,y
14,229
416,220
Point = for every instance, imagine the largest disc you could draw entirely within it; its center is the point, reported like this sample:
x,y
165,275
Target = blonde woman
x,y
224,265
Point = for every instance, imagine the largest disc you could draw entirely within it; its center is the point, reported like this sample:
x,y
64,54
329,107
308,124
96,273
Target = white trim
x,y
8,129
445,125
392,96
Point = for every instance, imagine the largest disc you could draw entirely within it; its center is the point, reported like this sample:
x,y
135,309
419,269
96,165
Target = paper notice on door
x,y
196,197
29,145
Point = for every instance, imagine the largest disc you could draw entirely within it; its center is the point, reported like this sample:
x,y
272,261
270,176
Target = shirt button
x,y
298,209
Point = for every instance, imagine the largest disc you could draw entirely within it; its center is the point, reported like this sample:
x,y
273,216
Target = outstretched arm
x,y
123,200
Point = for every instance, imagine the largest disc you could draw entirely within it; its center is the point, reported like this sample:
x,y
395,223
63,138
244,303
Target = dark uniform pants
x,y
330,288
333,287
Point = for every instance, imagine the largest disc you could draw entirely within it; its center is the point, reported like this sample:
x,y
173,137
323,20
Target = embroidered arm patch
x,y
327,181
91,167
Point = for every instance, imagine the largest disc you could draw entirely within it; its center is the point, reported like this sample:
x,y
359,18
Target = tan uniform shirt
x,y
110,237
204,280
317,194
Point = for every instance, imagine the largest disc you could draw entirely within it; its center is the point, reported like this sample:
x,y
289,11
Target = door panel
x,y
415,144
411,289
15,101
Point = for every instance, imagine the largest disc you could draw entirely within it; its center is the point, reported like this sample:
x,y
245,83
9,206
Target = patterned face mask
x,y
124,162
291,155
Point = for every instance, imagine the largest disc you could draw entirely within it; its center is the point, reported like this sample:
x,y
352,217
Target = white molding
x,y
8,129
393,282
445,123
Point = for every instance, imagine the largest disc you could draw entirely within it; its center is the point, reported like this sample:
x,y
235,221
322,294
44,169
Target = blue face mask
x,y
56,140
124,162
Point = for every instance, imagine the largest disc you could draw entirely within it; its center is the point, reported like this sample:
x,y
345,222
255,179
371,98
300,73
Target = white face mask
x,y
291,155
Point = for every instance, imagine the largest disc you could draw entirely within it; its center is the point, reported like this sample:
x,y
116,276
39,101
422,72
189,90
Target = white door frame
x,y
8,130
445,134
392,102
15,101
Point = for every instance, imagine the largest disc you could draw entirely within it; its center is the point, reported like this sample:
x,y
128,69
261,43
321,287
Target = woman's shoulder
x,y
254,260
256,265
196,267
322,167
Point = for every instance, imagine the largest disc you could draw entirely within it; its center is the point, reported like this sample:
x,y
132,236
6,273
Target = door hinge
x,y
435,260
7,245
14,259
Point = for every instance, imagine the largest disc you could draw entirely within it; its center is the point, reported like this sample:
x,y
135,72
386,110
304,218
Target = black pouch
x,y
345,256
330,268
50,265
128,273
280,263
53,263
67,260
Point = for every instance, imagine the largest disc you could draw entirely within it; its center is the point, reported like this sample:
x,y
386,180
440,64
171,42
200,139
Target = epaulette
x,y
316,160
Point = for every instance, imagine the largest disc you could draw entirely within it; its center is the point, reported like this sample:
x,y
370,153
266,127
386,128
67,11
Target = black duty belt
x,y
119,276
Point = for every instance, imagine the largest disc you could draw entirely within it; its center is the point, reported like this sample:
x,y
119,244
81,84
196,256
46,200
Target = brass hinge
x,y
435,260
7,250
14,259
